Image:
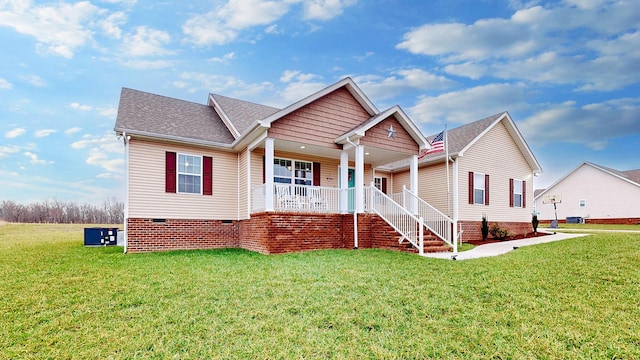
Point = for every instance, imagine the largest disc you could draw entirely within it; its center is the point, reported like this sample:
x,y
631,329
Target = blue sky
x,y
568,72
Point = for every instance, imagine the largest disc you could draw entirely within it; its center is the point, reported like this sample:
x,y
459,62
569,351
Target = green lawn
x,y
594,227
574,299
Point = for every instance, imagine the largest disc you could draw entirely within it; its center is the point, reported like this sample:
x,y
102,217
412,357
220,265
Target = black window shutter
x,y
524,194
384,185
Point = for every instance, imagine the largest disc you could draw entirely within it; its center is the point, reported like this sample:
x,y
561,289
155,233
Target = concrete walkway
x,y
503,247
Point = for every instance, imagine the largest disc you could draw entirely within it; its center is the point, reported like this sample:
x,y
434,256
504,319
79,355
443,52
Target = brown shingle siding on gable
x,y
152,114
322,121
378,136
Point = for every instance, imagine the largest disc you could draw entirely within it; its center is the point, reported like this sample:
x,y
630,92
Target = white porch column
x,y
359,178
413,182
344,182
268,174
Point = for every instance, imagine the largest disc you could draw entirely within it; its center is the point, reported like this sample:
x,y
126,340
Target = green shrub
x,y
497,232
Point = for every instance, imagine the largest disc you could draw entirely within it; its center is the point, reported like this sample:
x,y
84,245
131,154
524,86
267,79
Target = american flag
x,y
437,144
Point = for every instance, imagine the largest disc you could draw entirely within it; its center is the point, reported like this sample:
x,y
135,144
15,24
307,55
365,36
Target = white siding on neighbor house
x,y
147,196
497,155
606,196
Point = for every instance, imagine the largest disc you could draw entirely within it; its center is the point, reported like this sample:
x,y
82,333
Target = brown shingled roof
x,y
460,137
242,113
146,113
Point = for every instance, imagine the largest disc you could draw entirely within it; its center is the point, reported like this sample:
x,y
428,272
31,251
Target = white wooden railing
x,y
411,227
289,197
437,222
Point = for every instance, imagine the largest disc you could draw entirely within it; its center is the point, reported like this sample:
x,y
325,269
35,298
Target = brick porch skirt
x,y
266,233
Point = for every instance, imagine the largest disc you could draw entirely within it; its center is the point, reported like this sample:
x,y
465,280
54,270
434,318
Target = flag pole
x,y
446,149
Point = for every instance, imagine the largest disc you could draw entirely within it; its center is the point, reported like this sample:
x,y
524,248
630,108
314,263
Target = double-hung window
x,y
189,174
517,193
478,188
292,172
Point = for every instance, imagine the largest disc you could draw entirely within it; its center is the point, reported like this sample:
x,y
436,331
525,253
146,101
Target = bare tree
x,y
56,211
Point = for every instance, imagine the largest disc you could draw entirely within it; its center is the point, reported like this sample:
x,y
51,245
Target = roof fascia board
x,y
612,173
223,115
177,139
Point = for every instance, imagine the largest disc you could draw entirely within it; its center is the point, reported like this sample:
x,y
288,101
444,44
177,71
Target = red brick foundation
x,y
471,229
266,233
622,221
144,235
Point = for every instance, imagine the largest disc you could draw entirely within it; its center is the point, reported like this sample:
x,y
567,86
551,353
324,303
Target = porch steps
x,y
432,244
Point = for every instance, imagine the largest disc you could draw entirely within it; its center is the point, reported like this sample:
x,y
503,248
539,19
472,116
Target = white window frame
x,y
181,186
517,193
478,185
292,171
582,203
377,182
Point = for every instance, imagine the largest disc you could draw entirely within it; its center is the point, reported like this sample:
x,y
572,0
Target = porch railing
x,y
438,223
411,227
289,197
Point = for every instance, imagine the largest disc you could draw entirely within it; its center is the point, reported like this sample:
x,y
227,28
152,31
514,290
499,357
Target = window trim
x,y
517,192
312,170
478,175
200,175
582,203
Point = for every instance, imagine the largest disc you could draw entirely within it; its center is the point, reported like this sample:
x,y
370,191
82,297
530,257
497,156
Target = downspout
x,y
126,139
355,210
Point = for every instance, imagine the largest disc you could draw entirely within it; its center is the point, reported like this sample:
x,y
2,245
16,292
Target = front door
x,y
351,184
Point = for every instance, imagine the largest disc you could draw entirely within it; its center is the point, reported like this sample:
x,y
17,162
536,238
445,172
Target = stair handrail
x,y
410,226
436,221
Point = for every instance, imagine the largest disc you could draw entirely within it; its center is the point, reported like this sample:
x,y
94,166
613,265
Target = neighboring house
x,y
594,193
313,175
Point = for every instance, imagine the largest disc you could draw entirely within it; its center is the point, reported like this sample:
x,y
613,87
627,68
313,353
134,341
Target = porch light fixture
x,y
366,153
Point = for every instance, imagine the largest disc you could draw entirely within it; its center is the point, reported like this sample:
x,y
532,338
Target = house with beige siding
x,y
592,193
328,171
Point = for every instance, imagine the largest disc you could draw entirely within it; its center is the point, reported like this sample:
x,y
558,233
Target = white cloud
x,y
72,130
105,151
5,151
35,160
111,25
4,84
224,59
147,64
12,134
594,45
34,80
589,124
44,132
400,81
298,86
465,106
223,24
109,111
79,106
146,42
325,9
59,28
228,85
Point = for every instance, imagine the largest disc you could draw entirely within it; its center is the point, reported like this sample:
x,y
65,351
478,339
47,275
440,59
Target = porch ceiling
x,y
374,156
